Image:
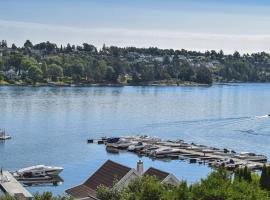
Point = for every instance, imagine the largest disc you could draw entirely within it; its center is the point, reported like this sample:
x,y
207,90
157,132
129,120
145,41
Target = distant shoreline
x,y
158,84
61,84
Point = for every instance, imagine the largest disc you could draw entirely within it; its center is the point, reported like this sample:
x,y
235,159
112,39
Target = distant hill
x,y
48,63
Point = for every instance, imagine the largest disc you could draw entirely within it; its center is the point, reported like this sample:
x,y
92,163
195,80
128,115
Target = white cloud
x,y
18,32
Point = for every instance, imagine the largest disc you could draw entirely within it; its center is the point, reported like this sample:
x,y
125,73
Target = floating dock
x,y
12,187
178,149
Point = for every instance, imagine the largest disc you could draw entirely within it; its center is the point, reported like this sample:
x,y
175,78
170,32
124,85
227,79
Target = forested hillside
x,y
46,62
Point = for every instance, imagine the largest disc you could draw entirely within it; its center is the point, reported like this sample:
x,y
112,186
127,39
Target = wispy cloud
x,y
18,31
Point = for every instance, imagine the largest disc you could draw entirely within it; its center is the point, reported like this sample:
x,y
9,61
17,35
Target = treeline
x,y
43,196
219,185
85,64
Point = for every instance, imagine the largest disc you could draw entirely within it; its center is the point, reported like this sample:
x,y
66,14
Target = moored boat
x,y
39,170
251,157
136,147
164,151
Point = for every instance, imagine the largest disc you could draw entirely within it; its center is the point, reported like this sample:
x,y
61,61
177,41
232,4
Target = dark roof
x,y
106,175
81,191
160,175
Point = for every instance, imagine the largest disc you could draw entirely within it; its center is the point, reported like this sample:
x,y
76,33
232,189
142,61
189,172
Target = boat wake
x,y
262,117
213,121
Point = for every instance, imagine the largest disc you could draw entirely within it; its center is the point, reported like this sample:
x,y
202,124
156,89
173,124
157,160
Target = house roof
x,y
81,191
108,174
160,175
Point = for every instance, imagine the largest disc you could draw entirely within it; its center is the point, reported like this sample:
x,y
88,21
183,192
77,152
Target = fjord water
x,y
51,125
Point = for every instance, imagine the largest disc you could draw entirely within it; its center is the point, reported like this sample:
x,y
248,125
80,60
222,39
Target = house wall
x,y
131,175
171,180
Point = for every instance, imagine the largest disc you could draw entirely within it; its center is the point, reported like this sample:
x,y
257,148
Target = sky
x,y
230,25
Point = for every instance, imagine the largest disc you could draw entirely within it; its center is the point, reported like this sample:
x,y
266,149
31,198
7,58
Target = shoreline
x,y
161,84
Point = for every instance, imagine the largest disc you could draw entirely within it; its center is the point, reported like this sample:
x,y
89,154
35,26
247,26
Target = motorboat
x,y
113,140
251,157
148,149
4,136
111,149
39,170
121,144
165,151
136,147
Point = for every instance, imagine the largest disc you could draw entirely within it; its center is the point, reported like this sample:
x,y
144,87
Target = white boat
x,y
121,144
136,147
251,157
4,136
39,170
165,151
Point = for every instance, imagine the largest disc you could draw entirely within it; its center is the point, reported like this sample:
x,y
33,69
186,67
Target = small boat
x,y
4,136
39,170
121,144
251,157
89,141
148,149
112,150
136,147
113,140
165,151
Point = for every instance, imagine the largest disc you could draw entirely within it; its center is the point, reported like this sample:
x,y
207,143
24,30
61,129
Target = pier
x,y
156,148
12,187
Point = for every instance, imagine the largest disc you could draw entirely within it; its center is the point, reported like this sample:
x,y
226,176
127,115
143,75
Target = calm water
x,y
50,125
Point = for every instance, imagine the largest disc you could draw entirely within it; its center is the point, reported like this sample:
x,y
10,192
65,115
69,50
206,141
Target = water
x,y
50,125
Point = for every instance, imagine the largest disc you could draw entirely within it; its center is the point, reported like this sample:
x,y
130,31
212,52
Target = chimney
x,y
140,167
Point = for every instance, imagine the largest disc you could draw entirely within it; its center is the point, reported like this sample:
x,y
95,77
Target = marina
x,y
156,148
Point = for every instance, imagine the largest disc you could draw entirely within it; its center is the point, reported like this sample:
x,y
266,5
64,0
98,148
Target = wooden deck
x,y
12,187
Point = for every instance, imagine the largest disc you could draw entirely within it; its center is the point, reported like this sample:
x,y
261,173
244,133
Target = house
x,y
163,177
112,174
10,74
108,174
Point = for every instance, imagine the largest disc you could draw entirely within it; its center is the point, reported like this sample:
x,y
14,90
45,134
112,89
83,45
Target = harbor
x,y
157,148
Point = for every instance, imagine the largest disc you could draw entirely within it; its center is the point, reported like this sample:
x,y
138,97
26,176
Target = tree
x,y
166,60
3,44
15,60
99,70
28,44
182,192
1,76
1,64
14,47
28,62
204,75
54,72
89,48
68,48
35,74
104,193
186,72
76,70
265,178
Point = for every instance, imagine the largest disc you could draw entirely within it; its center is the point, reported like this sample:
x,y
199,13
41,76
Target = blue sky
x,y
190,24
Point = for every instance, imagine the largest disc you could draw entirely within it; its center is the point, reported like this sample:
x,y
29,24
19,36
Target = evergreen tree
x,y
263,179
